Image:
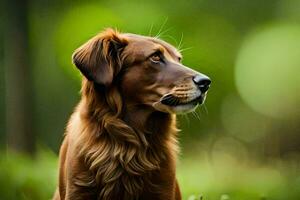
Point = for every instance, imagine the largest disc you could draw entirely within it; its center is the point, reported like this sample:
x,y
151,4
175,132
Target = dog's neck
x,y
147,120
146,137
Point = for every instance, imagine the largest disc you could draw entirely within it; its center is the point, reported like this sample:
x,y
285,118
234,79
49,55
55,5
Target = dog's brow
x,y
160,49
168,47
170,53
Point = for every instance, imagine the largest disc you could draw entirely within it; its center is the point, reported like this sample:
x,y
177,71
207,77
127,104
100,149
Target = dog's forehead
x,y
143,44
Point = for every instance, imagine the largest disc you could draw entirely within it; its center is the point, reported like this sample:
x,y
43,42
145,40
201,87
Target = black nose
x,y
202,81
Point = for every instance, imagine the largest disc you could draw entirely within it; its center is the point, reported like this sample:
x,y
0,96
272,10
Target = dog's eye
x,y
155,58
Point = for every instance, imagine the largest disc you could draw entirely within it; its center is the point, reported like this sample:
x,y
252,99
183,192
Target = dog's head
x,y
147,71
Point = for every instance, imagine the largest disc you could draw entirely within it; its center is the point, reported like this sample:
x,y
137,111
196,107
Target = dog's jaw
x,y
181,108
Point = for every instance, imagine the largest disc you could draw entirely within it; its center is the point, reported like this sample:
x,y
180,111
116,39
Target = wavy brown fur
x,y
121,155
116,148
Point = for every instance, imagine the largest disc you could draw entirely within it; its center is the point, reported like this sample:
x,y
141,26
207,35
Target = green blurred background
x,y
243,144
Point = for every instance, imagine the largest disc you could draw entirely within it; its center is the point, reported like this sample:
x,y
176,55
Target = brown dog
x,y
120,142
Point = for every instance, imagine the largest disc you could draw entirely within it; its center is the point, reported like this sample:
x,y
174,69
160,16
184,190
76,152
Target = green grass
x,y
23,178
228,179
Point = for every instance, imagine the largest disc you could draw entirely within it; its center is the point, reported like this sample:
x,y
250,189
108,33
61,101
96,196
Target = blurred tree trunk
x,y
18,80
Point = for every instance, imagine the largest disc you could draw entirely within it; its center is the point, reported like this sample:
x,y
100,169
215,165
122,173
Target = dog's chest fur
x,y
125,161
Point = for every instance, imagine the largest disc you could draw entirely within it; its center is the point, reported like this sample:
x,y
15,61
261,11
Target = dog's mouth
x,y
173,104
173,101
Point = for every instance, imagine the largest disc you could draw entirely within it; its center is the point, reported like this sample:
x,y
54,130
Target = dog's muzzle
x,y
201,81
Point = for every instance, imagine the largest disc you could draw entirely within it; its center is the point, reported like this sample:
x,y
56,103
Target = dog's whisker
x,y
201,110
196,115
163,32
185,49
205,108
150,31
193,113
180,42
161,28
169,36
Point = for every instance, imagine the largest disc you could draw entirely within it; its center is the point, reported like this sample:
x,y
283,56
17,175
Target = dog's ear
x,y
99,58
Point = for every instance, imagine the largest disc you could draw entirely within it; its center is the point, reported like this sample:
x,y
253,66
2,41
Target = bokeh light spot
x,y
267,71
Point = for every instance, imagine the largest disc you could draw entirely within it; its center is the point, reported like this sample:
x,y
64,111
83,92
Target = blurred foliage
x,y
219,177
244,143
24,178
222,174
